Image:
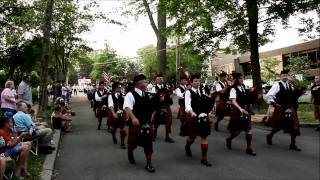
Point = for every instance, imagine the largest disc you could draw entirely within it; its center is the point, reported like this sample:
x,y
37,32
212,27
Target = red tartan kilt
x,y
157,120
101,114
277,120
220,108
133,136
114,122
181,113
191,124
238,124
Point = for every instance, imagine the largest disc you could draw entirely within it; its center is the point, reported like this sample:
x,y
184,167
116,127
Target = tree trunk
x,y
177,60
43,101
252,10
161,38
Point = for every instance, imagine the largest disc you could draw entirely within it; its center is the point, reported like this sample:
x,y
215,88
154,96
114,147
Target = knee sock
x,y
249,140
204,149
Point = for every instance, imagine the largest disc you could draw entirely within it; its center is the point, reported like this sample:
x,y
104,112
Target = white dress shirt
x,y
110,100
271,95
179,93
154,91
96,95
129,99
218,86
187,98
233,92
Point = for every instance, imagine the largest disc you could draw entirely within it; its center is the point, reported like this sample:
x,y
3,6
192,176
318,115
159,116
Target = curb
x,y
48,165
302,124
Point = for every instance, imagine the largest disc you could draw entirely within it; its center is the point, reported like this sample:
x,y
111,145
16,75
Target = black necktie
x,y
287,87
142,94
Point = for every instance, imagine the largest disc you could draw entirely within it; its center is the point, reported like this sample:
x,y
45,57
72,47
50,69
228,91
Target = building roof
x,y
221,58
285,50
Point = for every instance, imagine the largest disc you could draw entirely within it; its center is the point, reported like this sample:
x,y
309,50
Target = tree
x,y
269,67
191,60
206,23
149,8
43,102
298,65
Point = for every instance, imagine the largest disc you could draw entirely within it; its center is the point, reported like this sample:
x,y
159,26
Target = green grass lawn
x,y
306,113
34,166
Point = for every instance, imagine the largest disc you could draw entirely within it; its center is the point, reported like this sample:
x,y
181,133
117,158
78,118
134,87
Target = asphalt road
x,y
89,154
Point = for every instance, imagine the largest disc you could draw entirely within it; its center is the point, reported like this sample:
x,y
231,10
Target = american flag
x,y
106,76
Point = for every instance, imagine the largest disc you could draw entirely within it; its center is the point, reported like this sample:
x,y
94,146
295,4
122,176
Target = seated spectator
x,y
24,123
37,122
66,109
14,146
8,100
60,121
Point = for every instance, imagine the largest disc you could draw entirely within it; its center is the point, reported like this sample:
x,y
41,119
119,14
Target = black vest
x,y
224,96
181,100
315,91
142,108
197,102
167,98
285,97
242,97
104,101
117,102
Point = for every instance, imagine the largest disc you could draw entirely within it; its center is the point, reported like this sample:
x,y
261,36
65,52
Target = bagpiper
x,y
223,103
162,100
182,113
197,107
283,97
101,103
240,117
116,114
139,109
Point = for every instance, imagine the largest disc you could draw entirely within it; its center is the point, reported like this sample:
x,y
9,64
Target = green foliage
x,y
298,65
117,67
35,96
269,67
191,60
34,79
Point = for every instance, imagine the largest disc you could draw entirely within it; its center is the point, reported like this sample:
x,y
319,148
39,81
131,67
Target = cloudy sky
x,y
139,33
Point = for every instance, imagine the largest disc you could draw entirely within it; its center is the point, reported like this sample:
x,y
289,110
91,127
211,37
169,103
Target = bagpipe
x,y
202,126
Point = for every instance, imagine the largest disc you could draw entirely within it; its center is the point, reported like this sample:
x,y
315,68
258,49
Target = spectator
x,y
25,90
8,100
24,123
57,90
39,124
14,146
64,92
60,121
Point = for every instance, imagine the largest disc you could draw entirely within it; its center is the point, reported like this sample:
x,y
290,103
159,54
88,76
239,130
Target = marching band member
x,y
139,109
101,103
240,118
223,90
197,107
283,97
182,113
115,114
163,101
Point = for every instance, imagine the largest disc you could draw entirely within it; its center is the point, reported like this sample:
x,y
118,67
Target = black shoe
x,y
169,140
188,151
49,148
294,147
109,130
131,158
206,163
98,128
216,127
150,168
251,152
122,146
228,143
115,141
269,139
317,128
